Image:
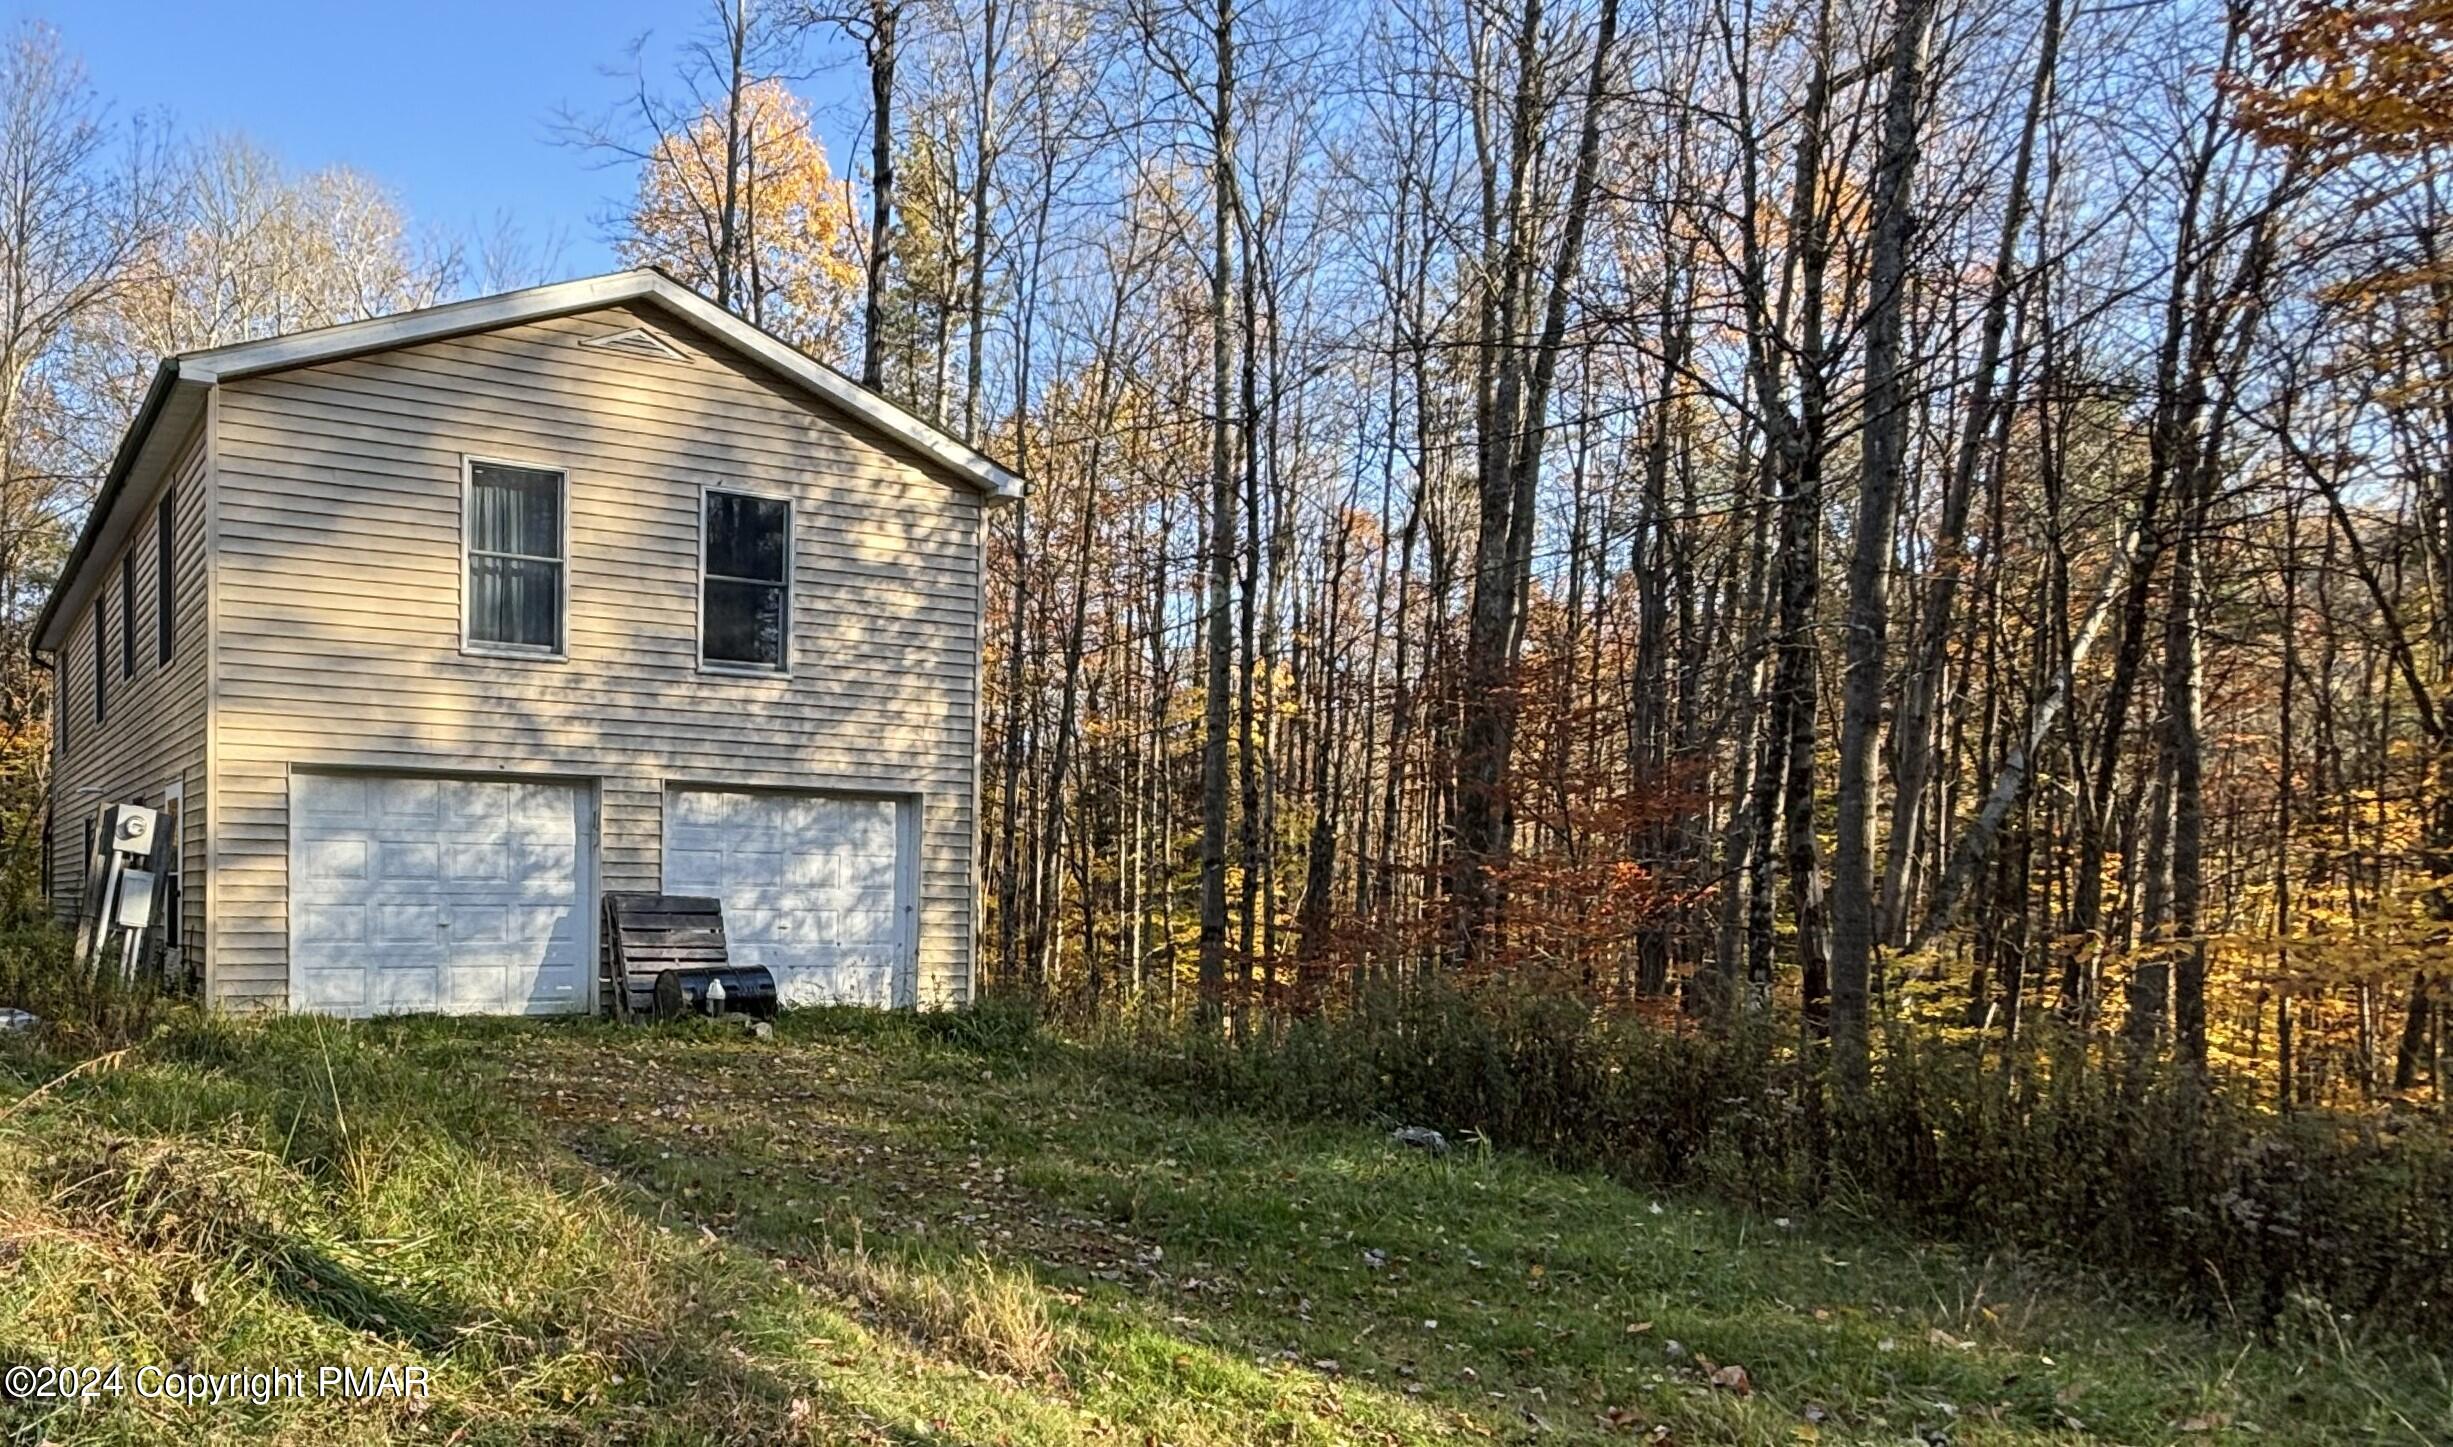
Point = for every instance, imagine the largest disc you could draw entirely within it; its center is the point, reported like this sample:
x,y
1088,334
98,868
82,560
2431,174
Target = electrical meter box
x,y
128,828
135,909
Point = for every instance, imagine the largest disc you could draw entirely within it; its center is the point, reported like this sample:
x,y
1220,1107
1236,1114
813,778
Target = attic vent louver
x,y
638,342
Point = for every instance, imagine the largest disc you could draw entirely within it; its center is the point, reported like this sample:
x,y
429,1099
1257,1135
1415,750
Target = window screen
x,y
515,558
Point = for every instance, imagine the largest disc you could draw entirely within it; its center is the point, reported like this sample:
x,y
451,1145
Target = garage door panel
x,y
332,991
867,872
476,987
545,924
414,859
477,861
748,925
811,884
400,800
321,924
544,859
328,796
401,989
475,924
542,806
465,807
806,927
550,989
688,807
694,870
404,924
332,859
864,924
459,895
851,980
869,832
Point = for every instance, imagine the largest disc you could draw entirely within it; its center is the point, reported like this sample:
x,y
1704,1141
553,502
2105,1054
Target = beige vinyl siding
x,y
340,593
155,724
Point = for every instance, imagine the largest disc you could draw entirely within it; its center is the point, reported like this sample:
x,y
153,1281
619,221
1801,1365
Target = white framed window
x,y
127,613
166,576
102,661
745,582
515,575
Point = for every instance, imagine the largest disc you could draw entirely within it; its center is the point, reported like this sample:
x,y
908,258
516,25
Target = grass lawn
x,y
862,1231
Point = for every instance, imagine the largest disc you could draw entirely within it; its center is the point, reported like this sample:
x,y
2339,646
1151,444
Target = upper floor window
x,y
514,532
166,575
745,588
102,660
127,614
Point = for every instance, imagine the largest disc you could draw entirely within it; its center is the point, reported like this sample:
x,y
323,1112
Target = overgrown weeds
x,y
2152,1174
994,1317
84,1010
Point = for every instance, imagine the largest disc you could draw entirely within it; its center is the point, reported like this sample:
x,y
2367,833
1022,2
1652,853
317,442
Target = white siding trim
x,y
175,792
208,631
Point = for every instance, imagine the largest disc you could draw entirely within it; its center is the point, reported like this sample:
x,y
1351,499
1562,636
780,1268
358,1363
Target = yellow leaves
x,y
2347,79
798,239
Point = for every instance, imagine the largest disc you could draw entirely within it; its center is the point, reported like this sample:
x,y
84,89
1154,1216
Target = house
x,y
430,628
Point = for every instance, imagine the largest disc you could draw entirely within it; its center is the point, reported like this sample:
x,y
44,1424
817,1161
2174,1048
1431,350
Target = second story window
x,y
745,602
127,614
166,575
102,661
514,528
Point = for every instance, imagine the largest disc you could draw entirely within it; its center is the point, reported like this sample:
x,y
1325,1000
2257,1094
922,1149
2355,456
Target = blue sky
x,y
447,102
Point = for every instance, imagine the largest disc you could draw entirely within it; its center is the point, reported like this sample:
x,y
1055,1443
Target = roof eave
x,y
996,483
167,377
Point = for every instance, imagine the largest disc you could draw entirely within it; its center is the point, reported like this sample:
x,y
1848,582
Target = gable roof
x,y
175,401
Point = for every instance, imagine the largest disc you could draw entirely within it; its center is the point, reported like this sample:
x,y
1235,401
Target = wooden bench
x,y
646,934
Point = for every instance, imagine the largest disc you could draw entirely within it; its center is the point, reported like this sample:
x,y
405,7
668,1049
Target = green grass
x,y
862,1231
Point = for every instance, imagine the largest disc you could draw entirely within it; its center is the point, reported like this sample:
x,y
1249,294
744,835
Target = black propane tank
x,y
725,990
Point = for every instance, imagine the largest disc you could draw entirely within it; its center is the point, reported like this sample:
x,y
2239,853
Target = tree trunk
x,y
1216,713
1869,567
884,17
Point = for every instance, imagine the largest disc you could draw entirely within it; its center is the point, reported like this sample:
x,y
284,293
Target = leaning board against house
x,y
477,612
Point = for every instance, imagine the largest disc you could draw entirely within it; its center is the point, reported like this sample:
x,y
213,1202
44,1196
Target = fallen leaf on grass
x,y
2211,1422
1733,1378
1638,1328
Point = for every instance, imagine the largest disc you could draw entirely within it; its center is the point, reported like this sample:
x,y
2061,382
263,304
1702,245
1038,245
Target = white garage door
x,y
814,887
418,893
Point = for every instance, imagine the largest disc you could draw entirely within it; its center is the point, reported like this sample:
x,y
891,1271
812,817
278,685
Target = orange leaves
x,y
2367,78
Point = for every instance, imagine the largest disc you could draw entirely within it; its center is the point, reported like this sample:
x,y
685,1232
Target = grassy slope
x,y
862,1233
